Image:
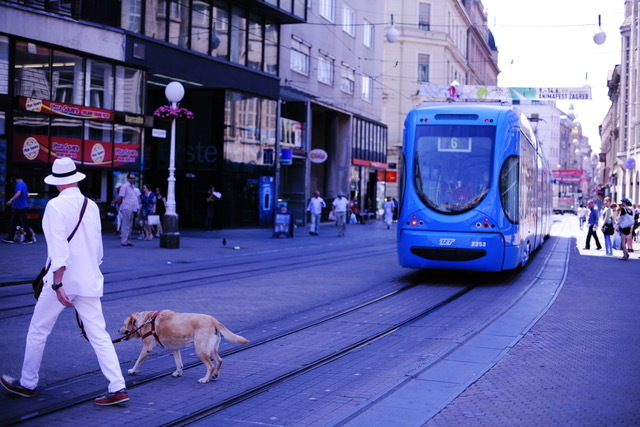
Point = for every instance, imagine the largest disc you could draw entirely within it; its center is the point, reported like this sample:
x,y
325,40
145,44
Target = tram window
x,y
509,188
452,166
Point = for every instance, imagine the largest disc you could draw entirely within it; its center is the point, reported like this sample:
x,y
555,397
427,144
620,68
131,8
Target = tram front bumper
x,y
451,250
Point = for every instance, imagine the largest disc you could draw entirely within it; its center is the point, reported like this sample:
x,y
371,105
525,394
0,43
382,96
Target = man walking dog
x,y
72,228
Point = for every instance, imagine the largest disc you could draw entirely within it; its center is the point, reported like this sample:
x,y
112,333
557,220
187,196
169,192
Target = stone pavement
x,y
576,364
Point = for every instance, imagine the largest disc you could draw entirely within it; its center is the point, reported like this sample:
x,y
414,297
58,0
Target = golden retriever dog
x,y
177,330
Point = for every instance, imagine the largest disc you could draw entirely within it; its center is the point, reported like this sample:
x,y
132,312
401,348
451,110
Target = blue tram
x,y
475,189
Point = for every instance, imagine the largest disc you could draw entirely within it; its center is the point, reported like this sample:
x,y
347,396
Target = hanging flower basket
x,y
168,113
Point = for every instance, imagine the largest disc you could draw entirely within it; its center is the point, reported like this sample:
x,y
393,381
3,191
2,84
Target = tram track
x,y
146,281
263,345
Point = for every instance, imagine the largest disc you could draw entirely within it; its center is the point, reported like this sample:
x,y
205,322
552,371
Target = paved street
x,y
570,338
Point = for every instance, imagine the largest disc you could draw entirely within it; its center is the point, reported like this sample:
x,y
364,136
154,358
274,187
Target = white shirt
x,y
315,205
130,200
81,256
340,204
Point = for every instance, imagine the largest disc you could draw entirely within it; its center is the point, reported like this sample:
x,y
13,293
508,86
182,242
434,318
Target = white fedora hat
x,y
64,172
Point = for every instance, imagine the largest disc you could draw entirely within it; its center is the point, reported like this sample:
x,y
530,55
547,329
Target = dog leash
x,y
151,320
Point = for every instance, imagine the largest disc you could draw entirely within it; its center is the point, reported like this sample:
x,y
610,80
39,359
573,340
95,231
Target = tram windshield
x,y
452,165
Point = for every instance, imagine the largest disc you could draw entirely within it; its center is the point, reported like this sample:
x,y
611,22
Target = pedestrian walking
x,y
161,209
340,208
19,213
625,223
388,207
593,226
147,207
210,200
315,206
72,229
582,215
129,206
608,227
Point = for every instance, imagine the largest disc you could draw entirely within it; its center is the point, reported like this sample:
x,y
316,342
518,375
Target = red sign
x,y
392,176
567,172
66,147
573,179
98,153
34,148
68,110
126,155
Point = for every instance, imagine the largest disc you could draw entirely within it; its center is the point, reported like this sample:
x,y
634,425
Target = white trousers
x,y
45,314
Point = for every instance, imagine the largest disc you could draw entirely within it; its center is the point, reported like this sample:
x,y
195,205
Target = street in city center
x,y
339,334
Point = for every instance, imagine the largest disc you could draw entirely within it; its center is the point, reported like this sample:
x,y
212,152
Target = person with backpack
x,y
625,223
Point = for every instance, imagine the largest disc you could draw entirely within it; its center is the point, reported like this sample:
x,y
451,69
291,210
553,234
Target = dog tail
x,y
231,336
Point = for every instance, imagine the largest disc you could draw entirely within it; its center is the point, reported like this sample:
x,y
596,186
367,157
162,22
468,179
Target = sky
x,y
549,43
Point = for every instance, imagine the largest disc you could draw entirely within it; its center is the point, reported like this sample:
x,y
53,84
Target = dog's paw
x,y
177,374
203,380
132,372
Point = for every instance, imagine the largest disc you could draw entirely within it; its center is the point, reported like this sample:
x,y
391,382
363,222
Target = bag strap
x,y
84,208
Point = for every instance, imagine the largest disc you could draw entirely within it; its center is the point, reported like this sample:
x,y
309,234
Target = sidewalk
x,y
578,365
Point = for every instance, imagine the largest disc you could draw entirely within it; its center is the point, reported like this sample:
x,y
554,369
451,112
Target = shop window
x,y
67,78
98,145
126,147
129,90
250,129
99,91
238,52
33,70
220,30
66,138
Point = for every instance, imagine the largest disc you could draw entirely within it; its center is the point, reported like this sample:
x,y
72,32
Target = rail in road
x,y
293,347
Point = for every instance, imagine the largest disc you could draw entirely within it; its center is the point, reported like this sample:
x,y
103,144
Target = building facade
x,y
331,90
620,130
439,42
82,79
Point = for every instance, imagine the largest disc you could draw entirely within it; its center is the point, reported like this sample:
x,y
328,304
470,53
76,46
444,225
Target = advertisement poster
x,y
98,153
31,148
126,156
66,147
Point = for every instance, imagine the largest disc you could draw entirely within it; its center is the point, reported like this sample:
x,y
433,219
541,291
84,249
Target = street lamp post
x,y
170,237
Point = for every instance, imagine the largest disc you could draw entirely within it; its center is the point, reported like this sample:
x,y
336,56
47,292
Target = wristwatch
x,y
56,287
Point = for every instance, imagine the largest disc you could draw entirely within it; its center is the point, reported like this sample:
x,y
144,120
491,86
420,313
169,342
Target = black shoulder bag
x,y
38,282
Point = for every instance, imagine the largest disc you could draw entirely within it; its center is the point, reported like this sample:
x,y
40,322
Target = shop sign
x,y
391,176
68,110
631,163
286,156
318,155
567,172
